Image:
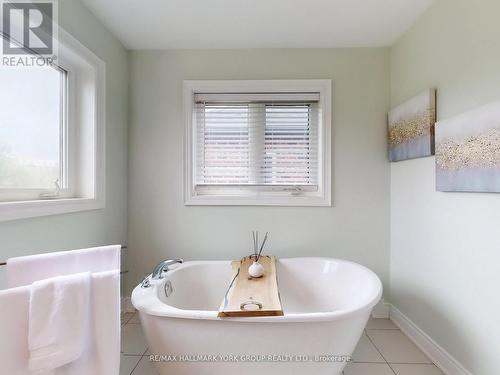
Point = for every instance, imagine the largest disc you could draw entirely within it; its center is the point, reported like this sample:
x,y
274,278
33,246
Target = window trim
x,y
321,198
90,191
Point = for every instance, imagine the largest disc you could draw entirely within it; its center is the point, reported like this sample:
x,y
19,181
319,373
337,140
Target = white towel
x,y
58,320
14,309
103,350
26,270
101,355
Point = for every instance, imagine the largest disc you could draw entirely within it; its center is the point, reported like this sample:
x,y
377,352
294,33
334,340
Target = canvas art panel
x,y
468,151
411,127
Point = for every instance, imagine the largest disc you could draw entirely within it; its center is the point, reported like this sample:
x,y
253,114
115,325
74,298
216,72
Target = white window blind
x,y
257,141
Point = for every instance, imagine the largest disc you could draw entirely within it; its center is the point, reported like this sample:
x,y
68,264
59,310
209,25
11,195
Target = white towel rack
x,y
123,248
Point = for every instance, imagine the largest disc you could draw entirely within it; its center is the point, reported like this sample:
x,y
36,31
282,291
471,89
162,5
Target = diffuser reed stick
x,y
262,246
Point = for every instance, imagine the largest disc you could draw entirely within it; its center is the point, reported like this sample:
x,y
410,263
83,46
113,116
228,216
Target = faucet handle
x,y
145,282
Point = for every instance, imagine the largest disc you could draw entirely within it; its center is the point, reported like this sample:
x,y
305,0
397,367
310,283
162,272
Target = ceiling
x,y
171,24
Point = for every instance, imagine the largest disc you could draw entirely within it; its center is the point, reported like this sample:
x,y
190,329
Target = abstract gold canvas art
x,y
468,151
411,127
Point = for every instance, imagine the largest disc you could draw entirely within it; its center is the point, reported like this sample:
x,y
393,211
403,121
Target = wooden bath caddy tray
x,y
247,296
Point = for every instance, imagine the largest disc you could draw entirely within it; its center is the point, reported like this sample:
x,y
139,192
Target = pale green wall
x,y
107,226
445,247
356,228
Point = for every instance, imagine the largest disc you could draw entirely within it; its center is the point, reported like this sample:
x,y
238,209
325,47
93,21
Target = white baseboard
x,y
381,310
126,305
441,358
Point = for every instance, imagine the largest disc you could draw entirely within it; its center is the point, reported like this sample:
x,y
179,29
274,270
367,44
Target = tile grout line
x,y
388,364
140,359
133,355
400,363
137,364
123,323
382,329
397,363
127,322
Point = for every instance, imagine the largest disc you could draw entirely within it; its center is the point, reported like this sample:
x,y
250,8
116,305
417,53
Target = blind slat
x,y
257,139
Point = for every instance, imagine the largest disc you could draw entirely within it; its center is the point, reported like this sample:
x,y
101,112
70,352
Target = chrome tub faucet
x,y
163,267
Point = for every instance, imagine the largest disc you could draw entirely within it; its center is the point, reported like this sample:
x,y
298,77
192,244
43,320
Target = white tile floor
x,y
134,348
385,350
382,350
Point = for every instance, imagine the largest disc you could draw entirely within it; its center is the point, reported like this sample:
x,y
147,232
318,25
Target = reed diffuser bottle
x,y
256,269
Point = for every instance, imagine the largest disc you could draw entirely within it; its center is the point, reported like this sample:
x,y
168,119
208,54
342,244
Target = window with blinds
x,y
256,142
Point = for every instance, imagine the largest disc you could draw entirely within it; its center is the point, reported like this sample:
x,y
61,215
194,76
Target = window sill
x,y
37,208
297,201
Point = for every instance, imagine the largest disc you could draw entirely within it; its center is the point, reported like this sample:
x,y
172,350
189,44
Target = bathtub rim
x,y
146,301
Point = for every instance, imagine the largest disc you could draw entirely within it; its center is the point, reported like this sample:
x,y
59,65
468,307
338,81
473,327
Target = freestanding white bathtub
x,y
326,304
